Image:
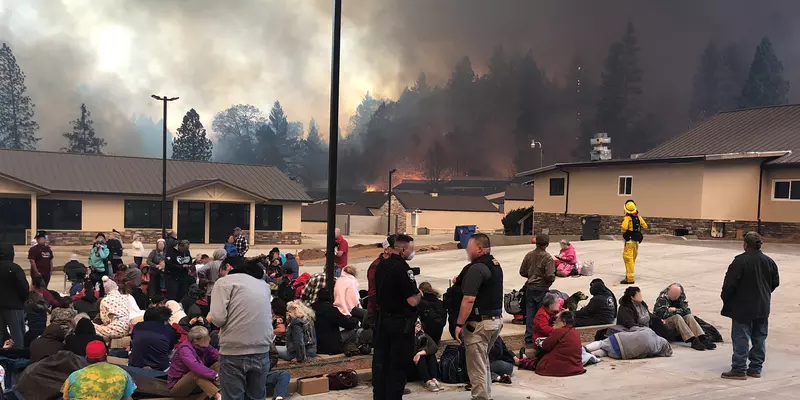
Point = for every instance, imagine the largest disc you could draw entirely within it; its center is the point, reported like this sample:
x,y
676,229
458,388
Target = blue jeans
x,y
499,368
279,382
244,377
743,333
533,301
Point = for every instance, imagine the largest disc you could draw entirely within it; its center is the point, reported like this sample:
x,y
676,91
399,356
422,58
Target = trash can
x,y
463,233
590,225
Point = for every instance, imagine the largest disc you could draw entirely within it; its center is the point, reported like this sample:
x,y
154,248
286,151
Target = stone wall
x,y
274,237
397,209
75,238
570,224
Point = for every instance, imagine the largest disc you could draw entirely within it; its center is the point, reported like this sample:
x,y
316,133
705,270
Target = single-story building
x,y
314,217
513,197
736,172
438,213
73,197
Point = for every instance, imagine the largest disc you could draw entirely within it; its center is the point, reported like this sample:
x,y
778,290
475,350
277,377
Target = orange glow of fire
x,y
371,188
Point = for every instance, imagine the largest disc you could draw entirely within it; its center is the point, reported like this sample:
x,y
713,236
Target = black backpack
x,y
286,289
453,364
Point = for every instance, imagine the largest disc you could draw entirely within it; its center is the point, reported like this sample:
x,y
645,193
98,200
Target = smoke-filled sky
x,y
112,54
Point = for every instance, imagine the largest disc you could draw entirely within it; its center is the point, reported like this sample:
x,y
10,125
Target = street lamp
x,y
333,141
164,99
534,144
389,206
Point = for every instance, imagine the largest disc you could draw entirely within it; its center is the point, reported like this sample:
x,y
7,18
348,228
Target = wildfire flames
x,y
397,178
371,188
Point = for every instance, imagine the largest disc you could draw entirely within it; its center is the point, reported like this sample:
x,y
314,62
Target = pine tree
x,y
82,139
707,85
734,74
17,127
314,165
314,136
765,85
531,100
191,142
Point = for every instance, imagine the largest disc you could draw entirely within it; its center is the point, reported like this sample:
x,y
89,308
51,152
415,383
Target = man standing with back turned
x,y
480,319
746,296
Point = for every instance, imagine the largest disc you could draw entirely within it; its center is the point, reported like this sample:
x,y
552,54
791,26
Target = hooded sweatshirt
x,y
212,274
603,304
13,283
291,267
51,342
84,333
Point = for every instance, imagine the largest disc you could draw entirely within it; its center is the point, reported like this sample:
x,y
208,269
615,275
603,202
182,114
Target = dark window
x,y
625,185
795,192
146,214
782,189
58,214
269,217
557,186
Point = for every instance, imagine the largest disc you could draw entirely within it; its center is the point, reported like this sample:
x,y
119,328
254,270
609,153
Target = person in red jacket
x,y
562,349
544,319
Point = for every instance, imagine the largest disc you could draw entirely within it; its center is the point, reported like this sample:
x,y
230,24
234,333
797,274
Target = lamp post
x,y
534,144
333,142
164,99
389,206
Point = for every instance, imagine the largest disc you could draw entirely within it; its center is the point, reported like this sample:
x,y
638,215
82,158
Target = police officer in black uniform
x,y
397,298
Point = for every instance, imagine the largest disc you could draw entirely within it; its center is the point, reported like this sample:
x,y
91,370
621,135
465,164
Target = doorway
x,y
15,218
224,217
192,221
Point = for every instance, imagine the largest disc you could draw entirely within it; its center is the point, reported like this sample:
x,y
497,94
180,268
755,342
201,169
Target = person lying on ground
x,y
83,335
152,340
672,307
602,307
426,367
51,342
544,319
638,342
562,349
336,333
99,379
195,366
567,260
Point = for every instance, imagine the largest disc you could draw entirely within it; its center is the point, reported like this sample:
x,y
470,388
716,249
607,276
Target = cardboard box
x,y
313,385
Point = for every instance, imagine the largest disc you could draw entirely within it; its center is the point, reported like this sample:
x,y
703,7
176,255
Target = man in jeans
x,y
540,269
240,306
480,318
746,296
14,288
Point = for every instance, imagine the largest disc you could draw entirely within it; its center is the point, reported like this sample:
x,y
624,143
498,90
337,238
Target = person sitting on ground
x,y
277,380
122,269
602,307
315,283
156,263
301,340
336,332
51,342
195,366
275,253
562,349
83,335
77,286
432,313
502,362
99,379
345,293
230,247
86,301
63,314
633,312
211,273
638,342
145,280
672,307
427,368
114,313
152,340
279,321
135,313
202,305
195,318
566,261
35,317
191,297
38,286
73,269
544,319
291,267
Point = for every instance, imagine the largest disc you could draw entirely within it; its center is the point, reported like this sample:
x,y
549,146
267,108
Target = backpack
x,y
452,300
286,290
430,317
453,364
513,302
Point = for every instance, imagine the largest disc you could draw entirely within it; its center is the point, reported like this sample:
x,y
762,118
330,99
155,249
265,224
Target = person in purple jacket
x,y
194,366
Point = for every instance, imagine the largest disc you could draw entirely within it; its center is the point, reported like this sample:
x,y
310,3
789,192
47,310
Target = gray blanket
x,y
641,343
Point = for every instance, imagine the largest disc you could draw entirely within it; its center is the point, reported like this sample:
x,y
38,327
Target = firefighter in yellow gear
x,y
632,225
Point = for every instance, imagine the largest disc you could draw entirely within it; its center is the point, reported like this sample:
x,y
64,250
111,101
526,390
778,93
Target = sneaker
x,y
627,282
521,353
754,374
697,344
468,387
430,386
709,345
438,384
505,379
737,375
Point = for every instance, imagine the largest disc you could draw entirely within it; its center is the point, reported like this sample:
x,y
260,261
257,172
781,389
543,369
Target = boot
x,y
627,282
737,375
697,344
707,342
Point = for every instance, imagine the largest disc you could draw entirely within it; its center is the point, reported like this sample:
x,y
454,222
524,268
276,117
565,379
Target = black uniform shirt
x,y
394,284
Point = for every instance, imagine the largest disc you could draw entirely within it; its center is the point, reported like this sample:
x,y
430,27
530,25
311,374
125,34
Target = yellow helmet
x,y
630,207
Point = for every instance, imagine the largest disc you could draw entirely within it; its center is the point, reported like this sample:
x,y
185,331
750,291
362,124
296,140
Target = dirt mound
x,y
311,254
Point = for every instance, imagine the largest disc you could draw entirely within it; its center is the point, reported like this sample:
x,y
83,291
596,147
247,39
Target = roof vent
x,y
434,194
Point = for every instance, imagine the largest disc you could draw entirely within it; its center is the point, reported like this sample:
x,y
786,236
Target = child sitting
x,y
63,314
427,368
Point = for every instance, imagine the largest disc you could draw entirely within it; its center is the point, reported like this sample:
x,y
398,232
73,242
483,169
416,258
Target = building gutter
x,y
566,192
760,193
746,155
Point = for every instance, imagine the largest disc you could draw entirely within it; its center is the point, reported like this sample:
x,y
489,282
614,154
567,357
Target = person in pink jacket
x,y
345,293
194,366
566,260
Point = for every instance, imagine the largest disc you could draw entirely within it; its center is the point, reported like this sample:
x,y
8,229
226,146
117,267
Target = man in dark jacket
x,y
291,267
114,251
746,296
602,307
14,288
73,269
540,269
177,261
329,319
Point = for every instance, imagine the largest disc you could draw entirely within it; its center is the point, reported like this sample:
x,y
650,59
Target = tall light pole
x,y
333,142
164,99
534,144
389,206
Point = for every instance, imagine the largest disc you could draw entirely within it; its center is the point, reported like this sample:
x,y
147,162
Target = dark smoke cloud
x,y
217,53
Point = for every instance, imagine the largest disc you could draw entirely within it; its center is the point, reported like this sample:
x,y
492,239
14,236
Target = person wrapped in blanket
x,y
638,342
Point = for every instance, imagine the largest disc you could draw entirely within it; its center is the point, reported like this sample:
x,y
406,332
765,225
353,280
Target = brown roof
x,y
64,172
319,212
519,193
371,199
443,202
752,130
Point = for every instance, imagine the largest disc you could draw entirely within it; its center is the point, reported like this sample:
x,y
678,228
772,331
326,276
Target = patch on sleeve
x,y
411,275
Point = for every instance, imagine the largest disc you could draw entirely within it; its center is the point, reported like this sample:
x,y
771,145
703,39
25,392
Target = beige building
x,y
513,198
736,172
437,213
73,197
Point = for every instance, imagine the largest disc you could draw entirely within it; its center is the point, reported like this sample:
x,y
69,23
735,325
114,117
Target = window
x,y
786,190
269,217
59,214
625,185
557,186
146,214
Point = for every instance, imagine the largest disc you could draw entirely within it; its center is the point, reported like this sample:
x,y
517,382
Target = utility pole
x,y
164,99
389,206
333,142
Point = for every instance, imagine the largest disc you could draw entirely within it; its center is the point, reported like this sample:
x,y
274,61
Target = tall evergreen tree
x,y
357,125
82,139
532,95
17,127
765,85
707,85
618,106
191,142
314,165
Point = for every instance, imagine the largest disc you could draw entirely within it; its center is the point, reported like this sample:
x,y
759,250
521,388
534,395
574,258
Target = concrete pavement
x,y
688,374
